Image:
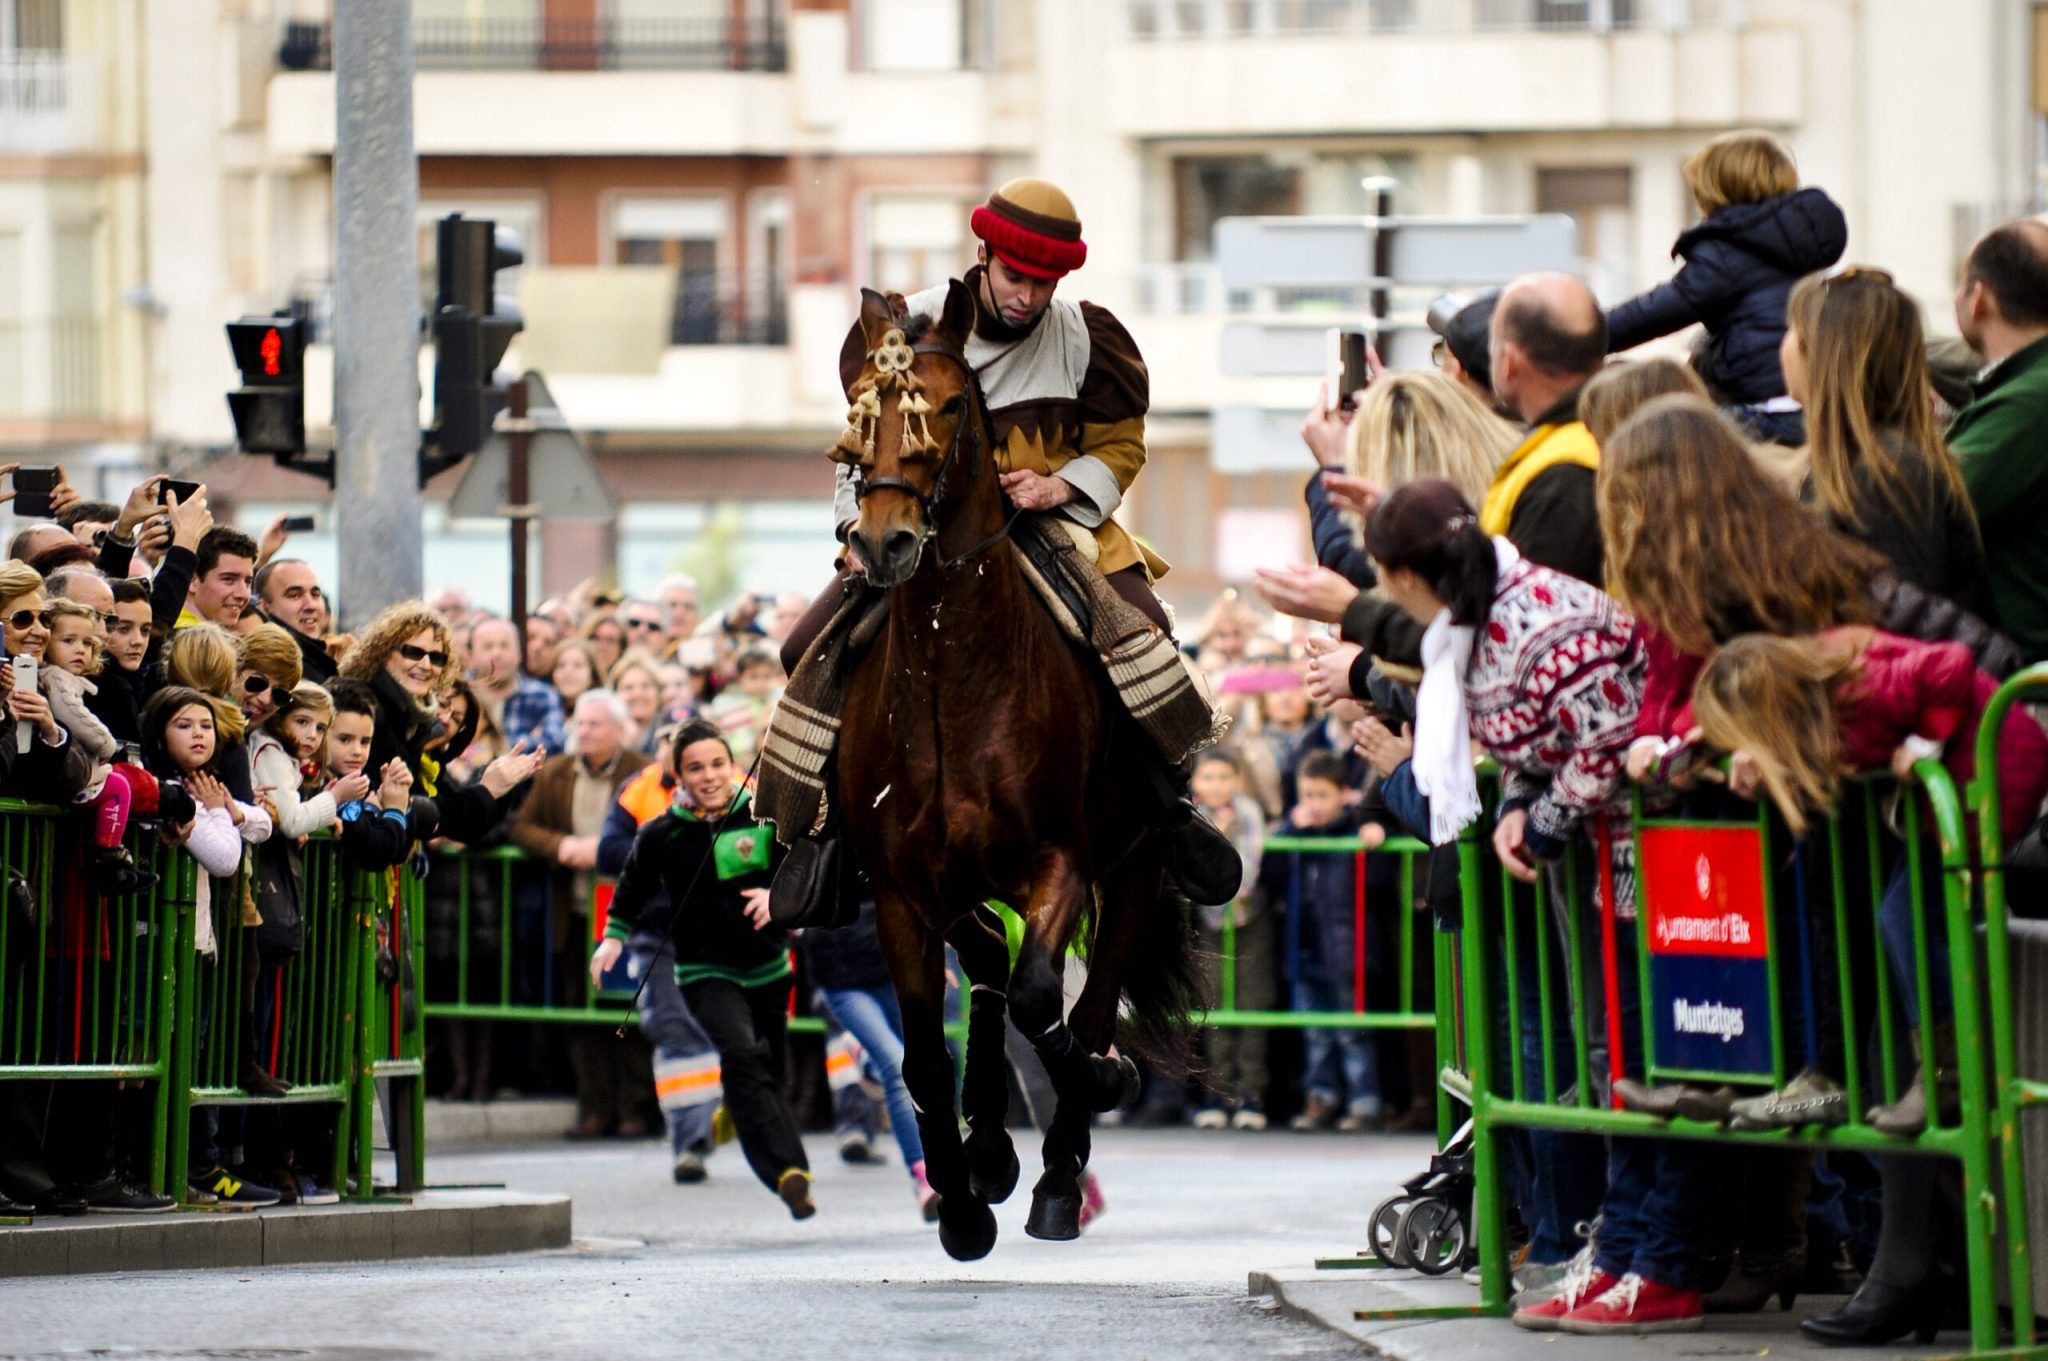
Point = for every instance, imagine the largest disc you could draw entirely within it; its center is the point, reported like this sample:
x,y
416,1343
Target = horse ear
x,y
877,316
957,321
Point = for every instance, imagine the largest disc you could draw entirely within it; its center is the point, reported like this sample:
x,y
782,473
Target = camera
x,y
174,804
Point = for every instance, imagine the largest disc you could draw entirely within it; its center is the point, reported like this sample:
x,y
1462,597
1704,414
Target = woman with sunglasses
x,y
406,658
267,665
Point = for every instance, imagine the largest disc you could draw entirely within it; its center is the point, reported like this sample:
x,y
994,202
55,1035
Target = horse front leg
x,y
1082,1082
985,1096
917,963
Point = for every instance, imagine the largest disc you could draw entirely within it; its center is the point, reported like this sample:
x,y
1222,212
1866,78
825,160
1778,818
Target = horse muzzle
x,y
892,560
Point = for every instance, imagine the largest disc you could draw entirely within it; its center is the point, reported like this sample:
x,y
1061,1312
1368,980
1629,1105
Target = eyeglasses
x,y
650,625
421,654
257,683
21,619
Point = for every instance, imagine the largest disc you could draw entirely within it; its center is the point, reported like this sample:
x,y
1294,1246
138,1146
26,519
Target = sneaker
x,y
794,1186
855,1148
1633,1305
1211,1117
309,1189
1248,1117
114,1195
1584,1284
1093,1204
1810,1098
689,1168
226,1191
1359,1122
1316,1115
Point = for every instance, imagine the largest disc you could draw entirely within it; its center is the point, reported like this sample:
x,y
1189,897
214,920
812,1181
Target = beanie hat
x,y
1031,226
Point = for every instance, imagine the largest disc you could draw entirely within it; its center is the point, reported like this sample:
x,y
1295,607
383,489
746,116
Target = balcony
x,y
48,104
51,370
565,45
1410,66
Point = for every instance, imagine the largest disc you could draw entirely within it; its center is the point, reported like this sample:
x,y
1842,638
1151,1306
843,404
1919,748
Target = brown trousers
x,y
1130,583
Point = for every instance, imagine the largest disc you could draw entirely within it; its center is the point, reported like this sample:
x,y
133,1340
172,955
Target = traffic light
x,y
270,406
472,331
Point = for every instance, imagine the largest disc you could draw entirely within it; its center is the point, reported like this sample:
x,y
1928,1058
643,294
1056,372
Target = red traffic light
x,y
270,349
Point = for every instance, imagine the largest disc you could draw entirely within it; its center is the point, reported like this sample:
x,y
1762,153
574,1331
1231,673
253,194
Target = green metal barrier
x,y
1504,1095
388,909
87,983
2012,1094
296,1021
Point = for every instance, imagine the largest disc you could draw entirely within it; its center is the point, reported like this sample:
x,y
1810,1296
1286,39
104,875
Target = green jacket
x,y
2001,440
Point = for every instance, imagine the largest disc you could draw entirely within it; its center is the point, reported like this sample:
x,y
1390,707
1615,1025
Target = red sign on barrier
x,y
1703,891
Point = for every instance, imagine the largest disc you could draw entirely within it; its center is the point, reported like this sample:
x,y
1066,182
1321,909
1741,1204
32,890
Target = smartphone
x,y
1348,371
24,679
298,524
32,488
170,487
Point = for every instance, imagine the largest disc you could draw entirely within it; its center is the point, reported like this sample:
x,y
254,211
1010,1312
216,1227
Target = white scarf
x,y
1443,765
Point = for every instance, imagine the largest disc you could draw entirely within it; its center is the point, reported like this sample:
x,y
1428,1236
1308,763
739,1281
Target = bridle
x,y
929,503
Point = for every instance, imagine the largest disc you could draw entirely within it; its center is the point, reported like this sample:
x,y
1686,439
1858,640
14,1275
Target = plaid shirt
x,y
533,714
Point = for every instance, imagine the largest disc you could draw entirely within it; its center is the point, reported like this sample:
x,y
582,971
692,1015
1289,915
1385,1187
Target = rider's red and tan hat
x,y
1031,226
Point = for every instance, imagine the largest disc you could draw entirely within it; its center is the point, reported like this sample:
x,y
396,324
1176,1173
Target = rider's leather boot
x,y
1200,860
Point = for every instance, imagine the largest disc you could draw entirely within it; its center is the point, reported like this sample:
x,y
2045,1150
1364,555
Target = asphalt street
x,y
719,1270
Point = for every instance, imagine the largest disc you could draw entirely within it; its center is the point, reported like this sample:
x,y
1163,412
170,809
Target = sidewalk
x,y
451,1223
1330,1299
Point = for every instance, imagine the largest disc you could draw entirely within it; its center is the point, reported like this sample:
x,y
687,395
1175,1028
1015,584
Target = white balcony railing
x,y
47,104
1179,19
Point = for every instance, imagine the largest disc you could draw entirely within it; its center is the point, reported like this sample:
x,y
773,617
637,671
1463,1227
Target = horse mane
x,y
917,326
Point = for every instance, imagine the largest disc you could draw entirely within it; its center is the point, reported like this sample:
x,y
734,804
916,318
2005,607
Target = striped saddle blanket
x,y
1162,692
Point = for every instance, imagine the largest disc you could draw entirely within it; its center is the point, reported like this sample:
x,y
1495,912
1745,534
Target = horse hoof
x,y
1055,1208
993,1169
1117,1082
967,1228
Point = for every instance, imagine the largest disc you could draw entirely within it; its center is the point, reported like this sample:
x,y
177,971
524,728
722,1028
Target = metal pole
x,y
376,309
519,513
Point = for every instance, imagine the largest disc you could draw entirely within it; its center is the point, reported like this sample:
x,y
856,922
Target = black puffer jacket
x,y
1740,264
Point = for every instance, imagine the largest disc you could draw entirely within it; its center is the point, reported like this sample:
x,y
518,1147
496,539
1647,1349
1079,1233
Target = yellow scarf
x,y
1544,448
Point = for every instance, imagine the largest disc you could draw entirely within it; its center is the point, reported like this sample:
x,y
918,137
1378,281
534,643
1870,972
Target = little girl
x,y
1806,711
71,655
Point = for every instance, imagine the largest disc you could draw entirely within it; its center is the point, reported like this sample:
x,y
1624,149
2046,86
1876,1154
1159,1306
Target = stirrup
x,y
812,888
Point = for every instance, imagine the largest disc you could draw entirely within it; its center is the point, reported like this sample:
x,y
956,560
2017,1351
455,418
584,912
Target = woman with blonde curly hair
x,y
406,658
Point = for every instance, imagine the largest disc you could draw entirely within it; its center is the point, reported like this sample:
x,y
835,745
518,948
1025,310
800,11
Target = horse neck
x,y
987,585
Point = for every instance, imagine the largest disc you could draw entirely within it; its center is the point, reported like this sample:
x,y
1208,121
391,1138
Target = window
x,y
916,240
1277,183
765,296
913,35
31,26
1601,200
687,235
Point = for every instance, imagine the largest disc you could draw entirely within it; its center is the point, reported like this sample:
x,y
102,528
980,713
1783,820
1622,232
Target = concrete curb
x,y
434,1224
452,1124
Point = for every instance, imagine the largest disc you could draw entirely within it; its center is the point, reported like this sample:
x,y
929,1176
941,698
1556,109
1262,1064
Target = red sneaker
x,y
1633,1305
1581,1287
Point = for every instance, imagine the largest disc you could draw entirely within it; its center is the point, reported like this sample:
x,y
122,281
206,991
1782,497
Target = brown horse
x,y
984,758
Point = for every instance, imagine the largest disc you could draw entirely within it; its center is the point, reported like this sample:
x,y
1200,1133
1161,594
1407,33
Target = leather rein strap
x,y
930,504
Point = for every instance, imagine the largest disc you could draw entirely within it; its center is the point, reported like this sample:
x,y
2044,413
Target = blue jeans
x,y
1655,1217
1561,1174
668,1025
1335,1057
1895,913
871,1016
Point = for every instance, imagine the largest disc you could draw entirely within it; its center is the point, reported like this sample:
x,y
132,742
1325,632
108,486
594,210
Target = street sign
x,y
563,483
1441,252
1280,348
1254,439
1705,921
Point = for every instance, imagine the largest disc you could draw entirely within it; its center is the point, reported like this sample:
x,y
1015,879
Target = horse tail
x,y
1163,979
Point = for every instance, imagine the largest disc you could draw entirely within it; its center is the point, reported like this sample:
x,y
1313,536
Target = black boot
x,y
817,885
1200,860
1878,1313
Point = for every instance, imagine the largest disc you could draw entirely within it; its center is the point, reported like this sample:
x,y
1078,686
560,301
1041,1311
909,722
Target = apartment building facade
x,y
703,185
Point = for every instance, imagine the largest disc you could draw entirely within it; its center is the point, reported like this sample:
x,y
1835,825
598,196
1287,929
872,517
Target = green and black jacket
x,y
714,938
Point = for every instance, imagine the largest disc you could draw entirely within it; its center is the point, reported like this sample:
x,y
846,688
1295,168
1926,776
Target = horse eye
x,y
952,405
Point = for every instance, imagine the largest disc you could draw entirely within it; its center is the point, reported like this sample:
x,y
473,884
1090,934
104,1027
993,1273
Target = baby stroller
x,y
1427,1227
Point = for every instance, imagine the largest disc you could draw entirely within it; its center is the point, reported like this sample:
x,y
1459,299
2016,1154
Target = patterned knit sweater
x,y
1555,683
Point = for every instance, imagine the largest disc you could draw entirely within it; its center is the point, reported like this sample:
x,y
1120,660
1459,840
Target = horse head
x,y
914,407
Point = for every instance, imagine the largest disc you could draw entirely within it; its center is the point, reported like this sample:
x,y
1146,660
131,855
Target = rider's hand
x,y
1029,491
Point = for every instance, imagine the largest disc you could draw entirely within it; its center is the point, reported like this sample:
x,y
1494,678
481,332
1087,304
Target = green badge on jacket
x,y
741,851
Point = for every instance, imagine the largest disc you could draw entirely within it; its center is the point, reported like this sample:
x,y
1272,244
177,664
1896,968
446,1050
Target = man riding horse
x,y
1066,393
